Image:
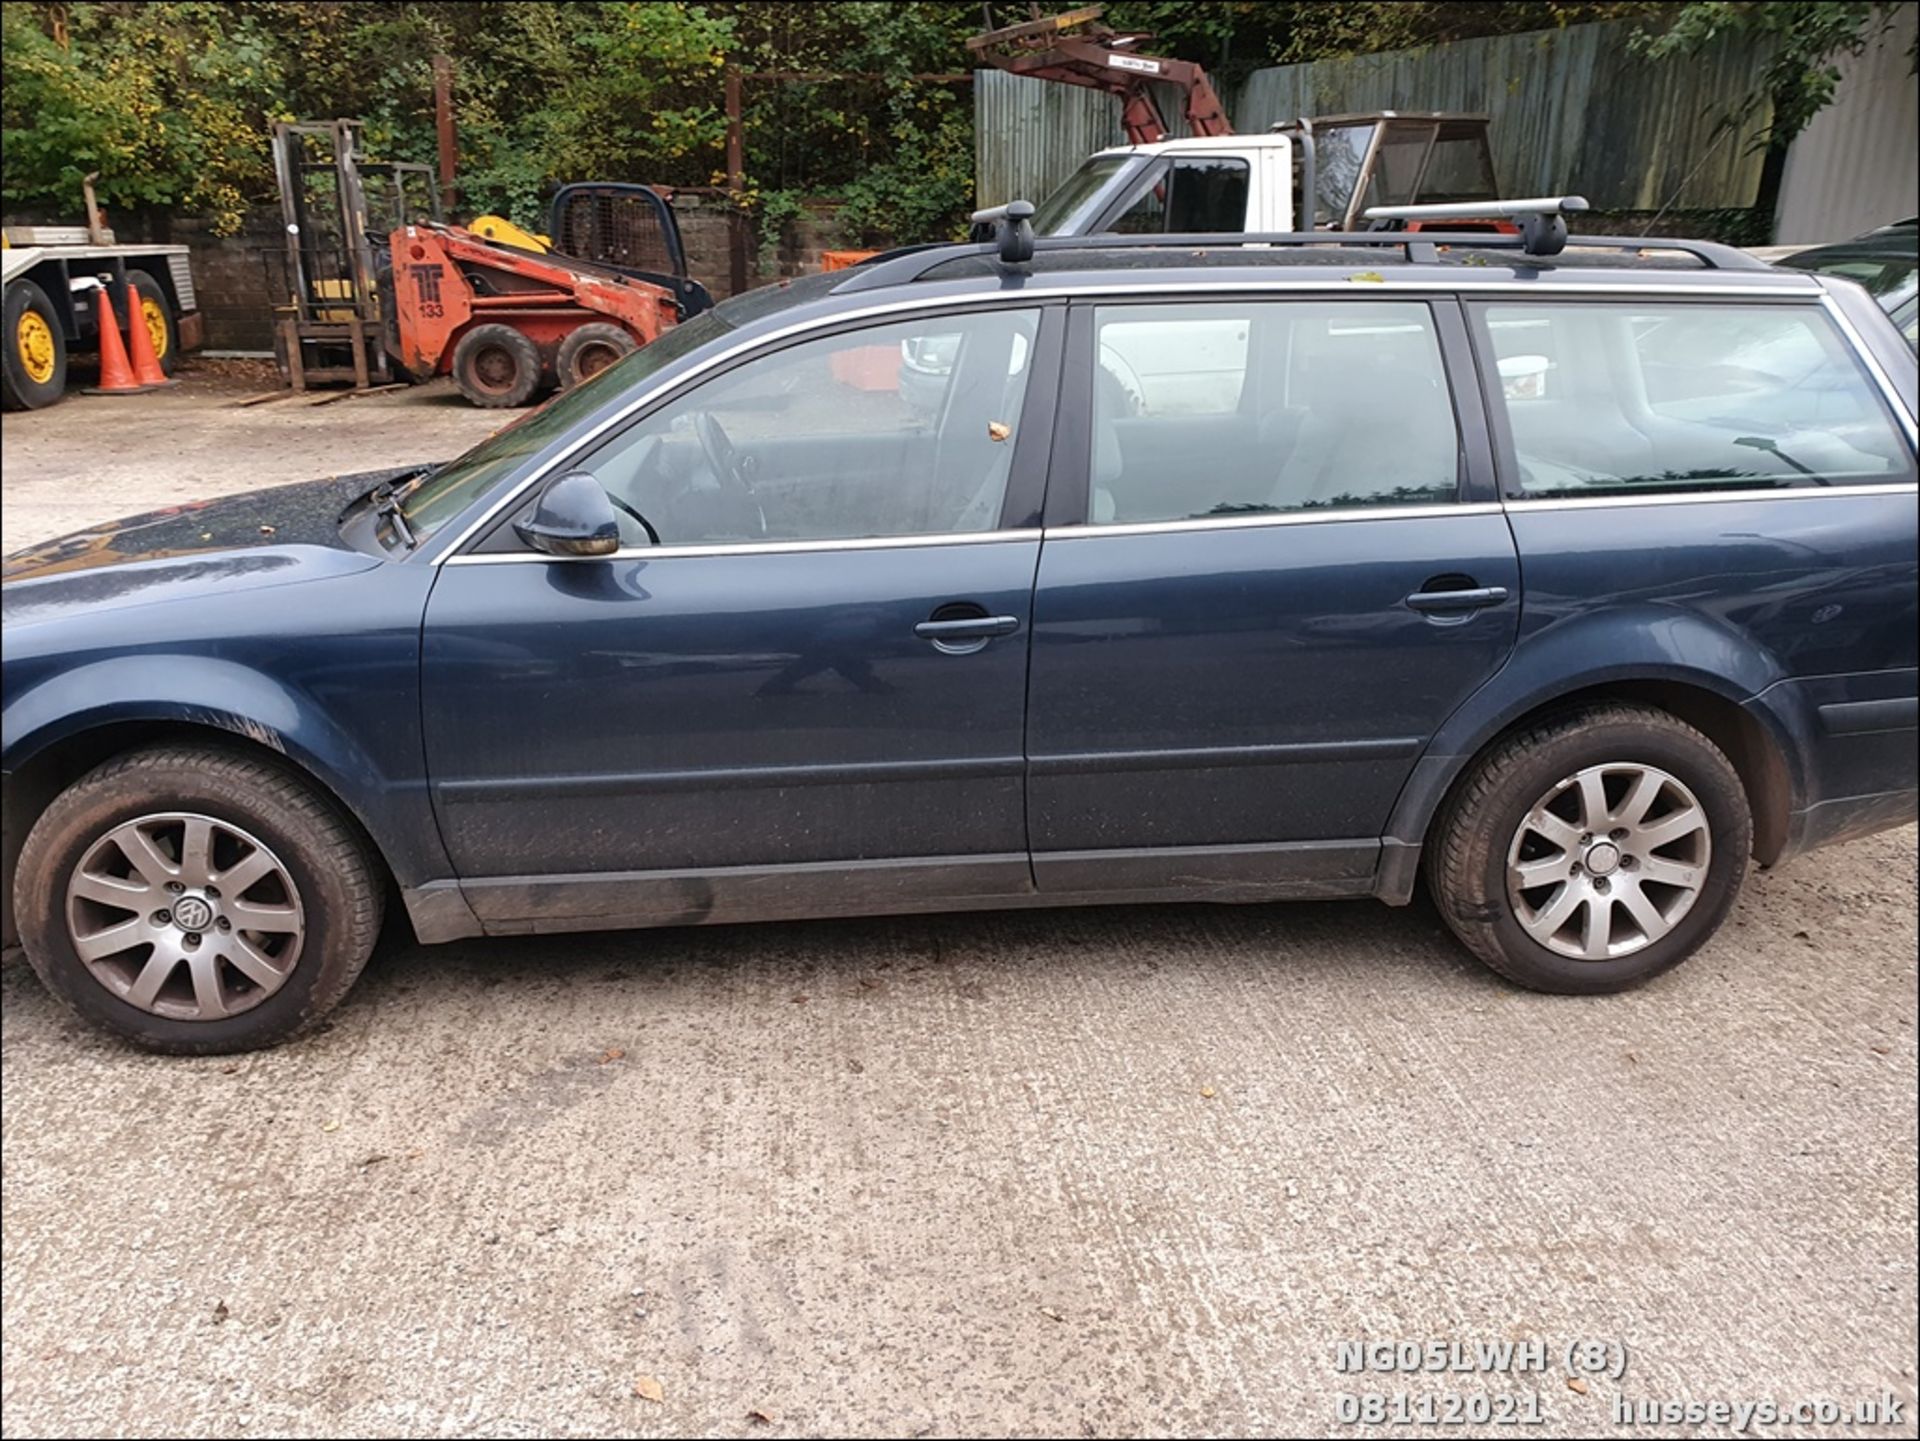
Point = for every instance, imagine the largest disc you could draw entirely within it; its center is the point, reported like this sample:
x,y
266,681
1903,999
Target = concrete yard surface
x,y
92,458
1112,1171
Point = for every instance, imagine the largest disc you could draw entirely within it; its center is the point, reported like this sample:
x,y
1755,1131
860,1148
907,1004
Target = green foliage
x,y
159,99
859,100
1807,38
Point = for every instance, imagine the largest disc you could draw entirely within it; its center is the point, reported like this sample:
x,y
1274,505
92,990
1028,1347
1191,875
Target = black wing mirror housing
x,y
572,517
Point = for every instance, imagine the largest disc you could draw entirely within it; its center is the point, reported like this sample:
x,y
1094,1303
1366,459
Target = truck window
x,y
1201,194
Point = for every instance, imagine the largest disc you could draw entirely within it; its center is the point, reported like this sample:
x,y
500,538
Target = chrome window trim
x,y
1028,295
1438,511
760,547
1698,497
1864,352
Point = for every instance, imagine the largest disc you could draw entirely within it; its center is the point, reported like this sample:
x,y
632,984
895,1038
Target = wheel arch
x,y
35,778
1758,748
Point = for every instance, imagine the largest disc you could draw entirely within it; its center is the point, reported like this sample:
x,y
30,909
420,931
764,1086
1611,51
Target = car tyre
x,y
496,367
317,872
1619,897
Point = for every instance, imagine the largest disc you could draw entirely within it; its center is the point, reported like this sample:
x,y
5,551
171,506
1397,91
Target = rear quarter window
x,y
1615,398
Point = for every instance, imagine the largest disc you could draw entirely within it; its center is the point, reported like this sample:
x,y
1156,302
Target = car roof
x,y
958,273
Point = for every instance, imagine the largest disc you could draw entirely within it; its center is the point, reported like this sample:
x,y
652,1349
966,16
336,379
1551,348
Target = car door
x,y
1259,595
799,687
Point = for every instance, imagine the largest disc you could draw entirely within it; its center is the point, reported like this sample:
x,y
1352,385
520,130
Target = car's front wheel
x,y
196,900
1592,851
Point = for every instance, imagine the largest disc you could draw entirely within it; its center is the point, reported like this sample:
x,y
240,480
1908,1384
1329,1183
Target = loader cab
x,y
628,228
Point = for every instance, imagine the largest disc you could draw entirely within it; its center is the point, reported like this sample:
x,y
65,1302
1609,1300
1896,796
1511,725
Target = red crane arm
x,y
1106,61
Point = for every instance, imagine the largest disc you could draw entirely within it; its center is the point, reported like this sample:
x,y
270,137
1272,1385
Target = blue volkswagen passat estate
x,y
1232,568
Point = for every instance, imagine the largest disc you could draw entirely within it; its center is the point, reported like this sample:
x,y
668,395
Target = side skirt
x,y
532,905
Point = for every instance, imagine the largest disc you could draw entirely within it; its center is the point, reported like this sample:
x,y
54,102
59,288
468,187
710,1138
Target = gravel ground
x,y
1087,1172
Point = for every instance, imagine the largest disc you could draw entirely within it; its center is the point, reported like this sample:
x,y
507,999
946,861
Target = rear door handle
x,y
1476,598
980,627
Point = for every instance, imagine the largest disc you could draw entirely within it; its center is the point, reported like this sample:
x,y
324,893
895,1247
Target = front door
x,y
1281,585
800,685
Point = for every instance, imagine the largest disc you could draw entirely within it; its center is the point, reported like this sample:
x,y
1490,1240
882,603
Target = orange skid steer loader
x,y
377,284
504,322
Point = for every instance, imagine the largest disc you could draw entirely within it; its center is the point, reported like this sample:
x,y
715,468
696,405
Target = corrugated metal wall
x,y
1574,111
1858,164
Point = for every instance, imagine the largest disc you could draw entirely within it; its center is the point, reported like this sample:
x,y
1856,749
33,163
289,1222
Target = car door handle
x,y
1475,598
973,627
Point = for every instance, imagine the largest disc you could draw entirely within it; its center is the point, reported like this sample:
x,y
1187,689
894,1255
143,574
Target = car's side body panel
x,y
324,672
697,713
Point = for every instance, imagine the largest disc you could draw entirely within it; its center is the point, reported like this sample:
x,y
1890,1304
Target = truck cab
x,y
1236,183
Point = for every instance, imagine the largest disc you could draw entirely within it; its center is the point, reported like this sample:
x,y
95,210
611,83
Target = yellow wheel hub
x,y
155,315
34,341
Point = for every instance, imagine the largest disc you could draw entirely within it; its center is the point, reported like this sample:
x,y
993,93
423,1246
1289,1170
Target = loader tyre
x,y
34,372
591,349
496,367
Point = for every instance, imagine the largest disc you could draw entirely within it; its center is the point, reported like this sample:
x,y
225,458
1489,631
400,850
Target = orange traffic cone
x,y
146,365
116,376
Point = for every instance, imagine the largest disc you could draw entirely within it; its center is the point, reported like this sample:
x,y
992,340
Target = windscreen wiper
x,y
385,500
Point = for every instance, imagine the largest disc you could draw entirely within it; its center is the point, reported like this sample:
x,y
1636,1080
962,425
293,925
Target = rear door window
x,y
1616,398
1264,407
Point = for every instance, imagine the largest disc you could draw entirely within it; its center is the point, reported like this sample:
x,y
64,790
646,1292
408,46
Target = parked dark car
x,y
1886,261
1186,568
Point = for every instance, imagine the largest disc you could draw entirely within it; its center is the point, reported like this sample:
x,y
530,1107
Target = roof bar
x,y
1420,246
1543,219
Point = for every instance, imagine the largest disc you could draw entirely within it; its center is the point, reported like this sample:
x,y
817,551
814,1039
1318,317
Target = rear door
x,y
1274,565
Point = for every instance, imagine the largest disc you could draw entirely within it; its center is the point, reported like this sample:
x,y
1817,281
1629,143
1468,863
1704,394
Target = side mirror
x,y
573,517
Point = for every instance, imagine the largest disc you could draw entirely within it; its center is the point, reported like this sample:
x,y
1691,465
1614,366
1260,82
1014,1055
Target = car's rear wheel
x,y
196,900
1592,851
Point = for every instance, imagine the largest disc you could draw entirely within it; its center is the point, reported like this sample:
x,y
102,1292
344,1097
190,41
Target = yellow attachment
x,y
499,229
34,342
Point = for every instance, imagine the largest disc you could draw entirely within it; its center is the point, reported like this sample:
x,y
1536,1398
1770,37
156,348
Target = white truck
x,y
1232,183
51,277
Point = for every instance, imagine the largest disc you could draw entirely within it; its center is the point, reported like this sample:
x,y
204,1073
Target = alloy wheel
x,y
185,916
1609,861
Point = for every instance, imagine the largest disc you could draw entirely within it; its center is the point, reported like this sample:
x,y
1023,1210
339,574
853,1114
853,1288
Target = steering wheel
x,y
725,460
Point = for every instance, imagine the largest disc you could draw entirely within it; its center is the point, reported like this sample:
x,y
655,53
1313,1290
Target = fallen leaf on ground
x,y
220,1312
799,1000
854,1066
373,1160
1577,1384
648,1389
331,1126
761,1415
266,530
1207,1093
612,1053
1051,1314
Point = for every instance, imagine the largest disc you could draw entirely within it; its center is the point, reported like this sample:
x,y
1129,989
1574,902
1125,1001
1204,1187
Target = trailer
x,y
51,274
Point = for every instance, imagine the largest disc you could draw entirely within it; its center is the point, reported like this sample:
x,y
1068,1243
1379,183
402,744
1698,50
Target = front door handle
x,y
1474,598
973,627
